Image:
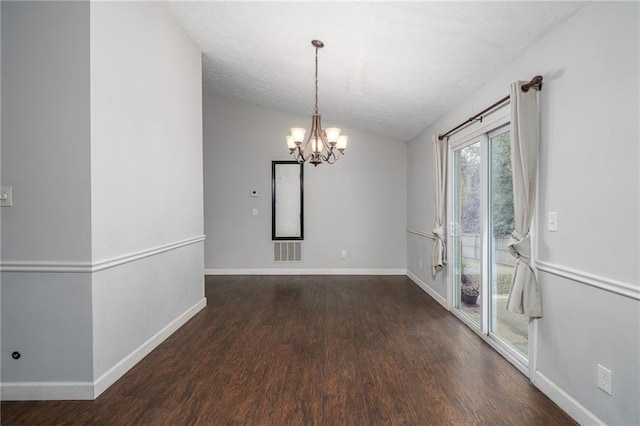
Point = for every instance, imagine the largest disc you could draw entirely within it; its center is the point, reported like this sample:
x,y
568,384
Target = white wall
x,y
46,129
146,176
0,185
46,315
47,318
589,109
421,215
102,131
146,129
357,204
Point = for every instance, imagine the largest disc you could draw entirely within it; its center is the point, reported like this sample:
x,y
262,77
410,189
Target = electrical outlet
x,y
604,379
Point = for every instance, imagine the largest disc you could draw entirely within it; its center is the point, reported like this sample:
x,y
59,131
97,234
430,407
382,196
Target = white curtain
x,y
524,297
439,258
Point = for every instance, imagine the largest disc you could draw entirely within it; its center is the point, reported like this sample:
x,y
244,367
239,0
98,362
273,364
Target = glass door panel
x,y
508,327
466,231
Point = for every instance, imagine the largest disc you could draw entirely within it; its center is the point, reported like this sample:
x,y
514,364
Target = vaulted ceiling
x,y
388,68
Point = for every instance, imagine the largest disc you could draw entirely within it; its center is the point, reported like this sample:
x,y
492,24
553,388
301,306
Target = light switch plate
x,y
552,222
6,196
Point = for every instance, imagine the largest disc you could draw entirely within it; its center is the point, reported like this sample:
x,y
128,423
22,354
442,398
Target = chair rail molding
x,y
603,283
97,266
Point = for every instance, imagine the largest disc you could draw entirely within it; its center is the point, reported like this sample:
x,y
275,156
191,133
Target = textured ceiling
x,y
388,68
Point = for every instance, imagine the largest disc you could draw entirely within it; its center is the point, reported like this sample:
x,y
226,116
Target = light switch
x,y
255,193
552,221
255,212
6,196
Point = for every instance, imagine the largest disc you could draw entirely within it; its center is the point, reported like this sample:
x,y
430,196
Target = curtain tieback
x,y
520,247
438,231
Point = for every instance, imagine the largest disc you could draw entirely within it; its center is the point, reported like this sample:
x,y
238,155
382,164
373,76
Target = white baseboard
x,y
43,391
301,271
119,370
430,291
572,407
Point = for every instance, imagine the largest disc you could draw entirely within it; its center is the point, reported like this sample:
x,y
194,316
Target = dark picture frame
x,y
287,200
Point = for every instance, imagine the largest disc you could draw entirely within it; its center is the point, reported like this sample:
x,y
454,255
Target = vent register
x,y
287,251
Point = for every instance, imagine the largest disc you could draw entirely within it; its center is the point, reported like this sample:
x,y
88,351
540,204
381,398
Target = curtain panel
x,y
524,296
439,257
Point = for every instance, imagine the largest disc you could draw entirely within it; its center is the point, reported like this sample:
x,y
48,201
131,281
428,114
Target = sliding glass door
x,y
481,222
511,328
466,232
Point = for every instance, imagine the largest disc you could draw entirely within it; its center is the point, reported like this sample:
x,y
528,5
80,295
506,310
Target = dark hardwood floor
x,y
305,350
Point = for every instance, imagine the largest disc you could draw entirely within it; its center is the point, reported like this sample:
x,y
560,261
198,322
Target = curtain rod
x,y
535,83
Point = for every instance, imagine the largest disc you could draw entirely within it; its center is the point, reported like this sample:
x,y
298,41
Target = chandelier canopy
x,y
324,146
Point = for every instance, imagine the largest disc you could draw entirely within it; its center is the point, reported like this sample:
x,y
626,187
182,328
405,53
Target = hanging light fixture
x,y
325,146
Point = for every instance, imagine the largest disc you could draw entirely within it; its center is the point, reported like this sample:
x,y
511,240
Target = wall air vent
x,y
287,251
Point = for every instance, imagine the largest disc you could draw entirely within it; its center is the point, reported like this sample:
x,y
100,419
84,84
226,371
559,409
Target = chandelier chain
x,y
316,80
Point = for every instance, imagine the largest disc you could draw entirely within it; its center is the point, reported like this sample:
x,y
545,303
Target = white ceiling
x,y
388,68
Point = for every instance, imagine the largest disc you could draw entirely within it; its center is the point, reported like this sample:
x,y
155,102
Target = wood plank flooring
x,y
312,350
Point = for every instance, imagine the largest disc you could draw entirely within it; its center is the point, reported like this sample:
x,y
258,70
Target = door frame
x,y
471,134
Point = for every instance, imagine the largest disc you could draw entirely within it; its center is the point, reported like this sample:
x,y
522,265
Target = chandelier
x,y
324,146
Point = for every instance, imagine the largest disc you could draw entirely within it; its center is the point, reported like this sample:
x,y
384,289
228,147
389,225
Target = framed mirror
x,y
287,214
